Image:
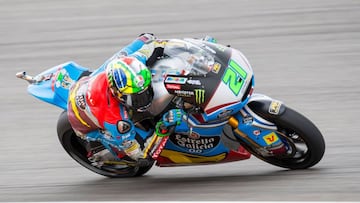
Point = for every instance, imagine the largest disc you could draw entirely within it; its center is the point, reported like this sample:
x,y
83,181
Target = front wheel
x,y
305,143
77,148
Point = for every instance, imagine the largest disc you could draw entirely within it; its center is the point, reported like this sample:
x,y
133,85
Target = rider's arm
x,y
149,51
145,48
136,45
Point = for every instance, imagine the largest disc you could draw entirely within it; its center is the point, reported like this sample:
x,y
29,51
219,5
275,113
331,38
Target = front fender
x,y
254,125
265,107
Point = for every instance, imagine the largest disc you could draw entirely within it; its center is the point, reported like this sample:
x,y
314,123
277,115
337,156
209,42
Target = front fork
x,y
253,129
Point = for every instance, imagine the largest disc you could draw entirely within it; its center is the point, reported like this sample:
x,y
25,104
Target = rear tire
x,y
76,148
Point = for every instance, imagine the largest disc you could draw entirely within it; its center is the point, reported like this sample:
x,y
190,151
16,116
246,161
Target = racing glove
x,y
169,121
147,38
163,129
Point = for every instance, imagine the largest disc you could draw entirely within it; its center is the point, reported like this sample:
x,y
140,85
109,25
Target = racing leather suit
x,y
92,109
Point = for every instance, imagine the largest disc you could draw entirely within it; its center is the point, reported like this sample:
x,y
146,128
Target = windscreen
x,y
191,58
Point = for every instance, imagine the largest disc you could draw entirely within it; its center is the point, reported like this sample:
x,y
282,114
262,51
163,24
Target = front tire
x,y
306,145
76,148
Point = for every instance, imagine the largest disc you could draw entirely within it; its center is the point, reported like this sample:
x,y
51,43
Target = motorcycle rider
x,y
99,104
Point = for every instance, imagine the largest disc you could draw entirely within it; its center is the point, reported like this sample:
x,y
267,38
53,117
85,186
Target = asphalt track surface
x,y
305,53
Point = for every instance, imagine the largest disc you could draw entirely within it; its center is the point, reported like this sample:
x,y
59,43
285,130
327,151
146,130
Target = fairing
x,y
53,84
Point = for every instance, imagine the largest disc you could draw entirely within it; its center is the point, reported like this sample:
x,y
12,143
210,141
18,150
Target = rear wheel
x,y
77,148
304,142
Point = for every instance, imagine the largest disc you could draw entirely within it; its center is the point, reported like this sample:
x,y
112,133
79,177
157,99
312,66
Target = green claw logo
x,y
199,96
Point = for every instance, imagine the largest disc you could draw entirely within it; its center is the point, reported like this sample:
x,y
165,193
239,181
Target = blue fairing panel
x,y
54,83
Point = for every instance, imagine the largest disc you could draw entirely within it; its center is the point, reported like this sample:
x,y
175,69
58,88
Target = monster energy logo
x,y
199,96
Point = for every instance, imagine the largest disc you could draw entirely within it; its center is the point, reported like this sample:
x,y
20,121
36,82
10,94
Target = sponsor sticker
x,y
193,82
216,68
195,142
123,126
176,80
199,96
184,93
224,114
80,101
173,86
106,134
139,81
274,107
194,135
160,147
270,138
63,79
257,132
248,119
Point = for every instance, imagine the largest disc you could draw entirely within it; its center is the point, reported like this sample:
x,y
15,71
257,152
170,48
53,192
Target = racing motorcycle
x,y
224,119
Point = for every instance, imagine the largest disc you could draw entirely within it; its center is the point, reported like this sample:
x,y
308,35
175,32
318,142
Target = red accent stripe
x,y
219,107
199,117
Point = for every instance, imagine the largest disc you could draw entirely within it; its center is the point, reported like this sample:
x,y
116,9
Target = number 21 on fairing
x,y
234,77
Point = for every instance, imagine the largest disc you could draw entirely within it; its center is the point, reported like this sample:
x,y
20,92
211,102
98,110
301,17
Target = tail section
x,y
52,86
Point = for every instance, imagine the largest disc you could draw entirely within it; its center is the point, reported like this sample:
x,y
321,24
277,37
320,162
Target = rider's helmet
x,y
130,81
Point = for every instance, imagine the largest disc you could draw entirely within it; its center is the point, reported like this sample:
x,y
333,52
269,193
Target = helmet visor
x,y
142,100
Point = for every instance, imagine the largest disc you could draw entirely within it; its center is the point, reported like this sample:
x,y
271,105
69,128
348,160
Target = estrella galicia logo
x,y
199,96
195,143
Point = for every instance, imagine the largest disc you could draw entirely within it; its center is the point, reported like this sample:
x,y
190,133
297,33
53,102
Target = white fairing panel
x,y
225,93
